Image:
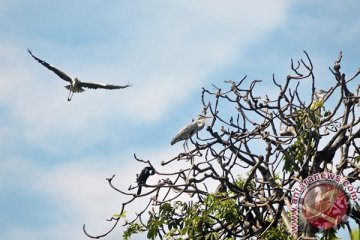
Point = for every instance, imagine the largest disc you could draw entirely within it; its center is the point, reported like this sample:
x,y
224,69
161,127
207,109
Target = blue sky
x,y
55,155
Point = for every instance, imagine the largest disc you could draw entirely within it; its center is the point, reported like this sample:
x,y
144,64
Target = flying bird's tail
x,y
77,90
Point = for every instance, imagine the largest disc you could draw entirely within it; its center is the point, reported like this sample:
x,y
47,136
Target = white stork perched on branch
x,y
189,130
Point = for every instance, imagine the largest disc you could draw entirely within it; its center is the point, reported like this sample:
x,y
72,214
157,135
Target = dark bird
x,y
221,188
76,86
143,176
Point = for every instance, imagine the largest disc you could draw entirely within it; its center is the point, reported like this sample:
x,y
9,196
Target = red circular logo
x,y
325,206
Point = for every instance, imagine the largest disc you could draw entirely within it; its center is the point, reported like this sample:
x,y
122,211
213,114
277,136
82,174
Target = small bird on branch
x,y
143,176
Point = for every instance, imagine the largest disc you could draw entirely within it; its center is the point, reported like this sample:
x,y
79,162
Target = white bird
x,y
188,131
319,95
76,86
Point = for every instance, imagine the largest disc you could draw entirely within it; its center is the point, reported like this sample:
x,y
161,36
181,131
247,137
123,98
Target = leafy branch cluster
x,y
254,157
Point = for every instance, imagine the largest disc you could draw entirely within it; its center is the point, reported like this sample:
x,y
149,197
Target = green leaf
x,y
121,215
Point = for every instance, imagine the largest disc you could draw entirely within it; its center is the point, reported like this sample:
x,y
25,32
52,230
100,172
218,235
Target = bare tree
x,y
256,149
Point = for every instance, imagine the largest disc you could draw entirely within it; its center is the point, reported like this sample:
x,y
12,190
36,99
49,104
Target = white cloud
x,y
167,51
77,192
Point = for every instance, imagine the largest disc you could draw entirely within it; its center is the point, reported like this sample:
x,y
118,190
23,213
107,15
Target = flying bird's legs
x,y
70,95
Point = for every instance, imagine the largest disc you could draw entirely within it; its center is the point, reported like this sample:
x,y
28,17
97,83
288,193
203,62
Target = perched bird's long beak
x,y
207,124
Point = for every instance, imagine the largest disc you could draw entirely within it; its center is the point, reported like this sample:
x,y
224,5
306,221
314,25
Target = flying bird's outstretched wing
x,y
101,85
58,72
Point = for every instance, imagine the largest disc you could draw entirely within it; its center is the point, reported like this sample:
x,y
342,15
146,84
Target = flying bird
x,y
188,131
76,86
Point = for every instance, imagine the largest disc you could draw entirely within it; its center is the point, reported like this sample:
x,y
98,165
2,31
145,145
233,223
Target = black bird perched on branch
x,y
221,188
143,176
75,84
